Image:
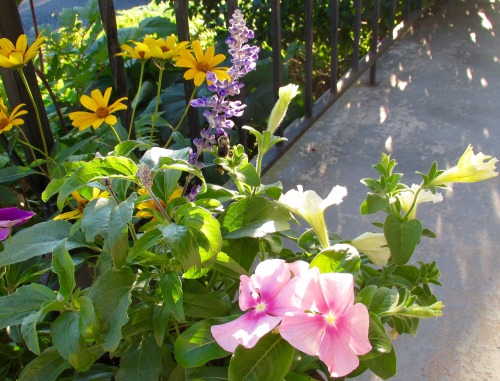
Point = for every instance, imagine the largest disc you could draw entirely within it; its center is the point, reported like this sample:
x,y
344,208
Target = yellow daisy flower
x,y
101,112
162,49
200,63
8,121
134,52
81,204
12,57
145,208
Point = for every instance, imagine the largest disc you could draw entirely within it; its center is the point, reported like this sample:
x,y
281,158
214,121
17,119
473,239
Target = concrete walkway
x,y
438,91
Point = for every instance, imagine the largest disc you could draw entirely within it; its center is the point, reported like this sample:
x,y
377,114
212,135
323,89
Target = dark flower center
x,y
102,112
203,66
165,49
3,123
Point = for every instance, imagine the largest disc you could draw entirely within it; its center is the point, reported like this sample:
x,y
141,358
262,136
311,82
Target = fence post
x,y
334,45
374,41
276,51
308,96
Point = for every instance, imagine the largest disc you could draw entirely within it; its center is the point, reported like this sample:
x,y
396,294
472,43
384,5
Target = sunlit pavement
x,y
438,91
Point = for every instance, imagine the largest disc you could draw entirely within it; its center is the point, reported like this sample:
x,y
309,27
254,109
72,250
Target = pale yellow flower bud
x,y
286,94
470,168
374,245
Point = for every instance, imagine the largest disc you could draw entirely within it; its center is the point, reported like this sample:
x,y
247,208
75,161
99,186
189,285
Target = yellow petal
x,y
22,43
88,103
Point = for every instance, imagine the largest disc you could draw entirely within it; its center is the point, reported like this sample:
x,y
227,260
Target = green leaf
x,y
247,174
182,243
95,220
196,346
110,166
111,297
254,217
208,373
46,367
269,360
12,173
72,347
383,366
199,303
26,300
161,320
337,260
373,203
63,266
206,229
140,361
242,250
383,300
378,338
227,265
402,237
144,243
97,372
40,239
88,323
182,165
117,241
29,332
124,148
171,291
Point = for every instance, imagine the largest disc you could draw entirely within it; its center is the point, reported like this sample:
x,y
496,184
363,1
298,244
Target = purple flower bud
x,y
10,217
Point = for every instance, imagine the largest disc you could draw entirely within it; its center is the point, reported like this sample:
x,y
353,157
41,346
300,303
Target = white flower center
x,y
330,318
260,307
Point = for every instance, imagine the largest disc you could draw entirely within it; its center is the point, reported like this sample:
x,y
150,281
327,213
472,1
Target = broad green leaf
x,y
144,243
40,239
95,220
206,229
184,166
63,266
227,265
269,360
26,300
178,374
46,367
117,241
12,173
333,260
29,332
246,173
65,153
199,303
402,237
111,297
171,291
291,376
88,323
97,372
182,243
72,347
253,217
378,338
383,300
161,320
373,203
196,346
124,148
110,166
242,250
140,361
384,366
208,373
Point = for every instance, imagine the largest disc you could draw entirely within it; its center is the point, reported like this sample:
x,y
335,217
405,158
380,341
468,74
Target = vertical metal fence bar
x,y
357,33
392,18
182,21
374,41
334,45
276,53
308,97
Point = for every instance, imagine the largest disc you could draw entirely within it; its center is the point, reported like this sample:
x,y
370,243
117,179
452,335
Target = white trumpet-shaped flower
x,y
309,206
407,198
374,245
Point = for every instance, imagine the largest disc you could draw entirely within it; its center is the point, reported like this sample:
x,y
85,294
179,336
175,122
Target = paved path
x,y
438,90
47,11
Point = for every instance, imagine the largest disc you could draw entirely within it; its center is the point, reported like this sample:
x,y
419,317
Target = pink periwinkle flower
x,y
329,324
266,295
10,217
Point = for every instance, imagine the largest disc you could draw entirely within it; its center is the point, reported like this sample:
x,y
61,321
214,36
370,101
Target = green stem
x,y
116,133
414,203
143,62
188,106
131,229
262,248
157,105
212,281
39,121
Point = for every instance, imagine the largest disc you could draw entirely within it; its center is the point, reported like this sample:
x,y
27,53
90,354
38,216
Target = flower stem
x,y
188,106
39,121
414,203
137,95
31,147
116,133
158,93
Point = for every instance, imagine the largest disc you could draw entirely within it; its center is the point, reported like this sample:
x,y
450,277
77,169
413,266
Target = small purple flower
x,y
219,109
10,217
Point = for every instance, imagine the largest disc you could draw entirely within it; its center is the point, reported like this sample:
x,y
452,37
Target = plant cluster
x,y
163,275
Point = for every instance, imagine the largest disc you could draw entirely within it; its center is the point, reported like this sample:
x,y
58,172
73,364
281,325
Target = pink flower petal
x,y
353,326
249,296
270,277
4,233
338,290
303,331
246,330
336,353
